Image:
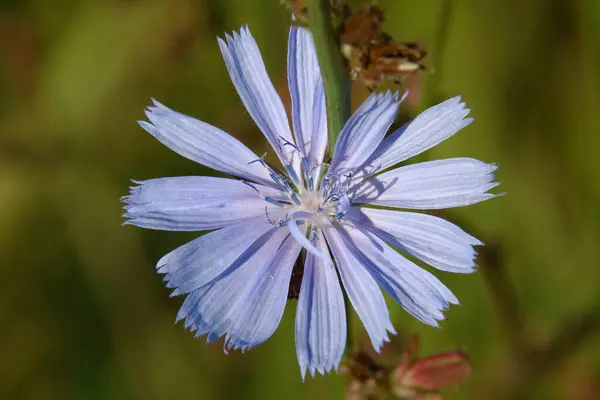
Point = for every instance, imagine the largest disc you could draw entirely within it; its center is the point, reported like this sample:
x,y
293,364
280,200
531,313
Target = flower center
x,y
311,202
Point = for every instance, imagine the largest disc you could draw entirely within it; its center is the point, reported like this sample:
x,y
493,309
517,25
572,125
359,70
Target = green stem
x,y
333,70
433,93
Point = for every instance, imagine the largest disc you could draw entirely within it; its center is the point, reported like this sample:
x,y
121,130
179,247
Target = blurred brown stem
x,y
504,295
567,341
528,361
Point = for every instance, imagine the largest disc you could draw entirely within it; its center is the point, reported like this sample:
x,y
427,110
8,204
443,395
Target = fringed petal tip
x,y
133,191
447,183
256,90
364,131
404,96
176,292
382,100
244,301
229,343
236,35
307,95
155,111
389,96
318,370
202,142
419,292
425,131
320,333
156,106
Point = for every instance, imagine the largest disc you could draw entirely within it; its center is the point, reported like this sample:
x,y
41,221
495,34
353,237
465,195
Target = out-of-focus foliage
x,y
83,314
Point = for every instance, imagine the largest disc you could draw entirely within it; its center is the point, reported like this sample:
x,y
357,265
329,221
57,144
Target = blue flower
x,y
236,277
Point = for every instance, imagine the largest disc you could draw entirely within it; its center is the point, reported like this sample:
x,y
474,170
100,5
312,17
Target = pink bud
x,y
436,371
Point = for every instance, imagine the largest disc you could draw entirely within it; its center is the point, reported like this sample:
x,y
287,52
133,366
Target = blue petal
x,y
320,316
362,290
308,98
265,302
200,261
249,76
195,203
203,143
218,307
363,132
453,182
428,129
434,240
417,291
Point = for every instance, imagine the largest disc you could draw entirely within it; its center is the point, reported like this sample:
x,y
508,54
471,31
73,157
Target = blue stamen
x,y
331,197
260,160
292,173
274,202
252,186
307,174
335,190
288,165
280,222
294,197
352,196
267,199
288,143
267,215
279,180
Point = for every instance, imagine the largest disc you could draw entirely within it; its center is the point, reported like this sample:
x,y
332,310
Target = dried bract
x,y
373,55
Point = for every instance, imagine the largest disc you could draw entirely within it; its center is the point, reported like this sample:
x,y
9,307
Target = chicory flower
x,y
236,276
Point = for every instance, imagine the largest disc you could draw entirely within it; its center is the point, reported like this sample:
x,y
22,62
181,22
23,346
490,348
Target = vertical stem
x,y
333,70
441,42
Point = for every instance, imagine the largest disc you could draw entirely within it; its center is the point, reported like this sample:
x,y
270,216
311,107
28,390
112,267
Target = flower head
x,y
236,276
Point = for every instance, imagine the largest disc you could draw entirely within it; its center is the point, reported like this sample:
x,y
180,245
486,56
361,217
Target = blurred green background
x,y
83,315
